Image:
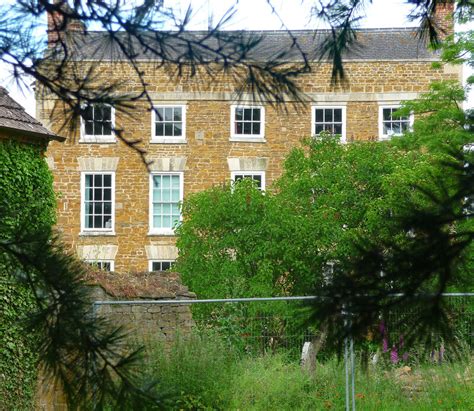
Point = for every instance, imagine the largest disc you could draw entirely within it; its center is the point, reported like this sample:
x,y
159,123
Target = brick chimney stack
x,y
443,18
60,22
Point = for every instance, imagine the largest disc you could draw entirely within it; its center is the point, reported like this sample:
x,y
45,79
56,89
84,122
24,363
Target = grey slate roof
x,y
14,118
372,44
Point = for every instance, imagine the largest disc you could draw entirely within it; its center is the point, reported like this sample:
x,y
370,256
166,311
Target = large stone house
x,y
120,215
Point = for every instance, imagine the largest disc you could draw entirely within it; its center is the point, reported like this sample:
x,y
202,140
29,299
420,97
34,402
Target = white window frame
x,y
326,106
96,261
96,231
249,174
91,138
247,137
150,263
163,231
168,140
384,137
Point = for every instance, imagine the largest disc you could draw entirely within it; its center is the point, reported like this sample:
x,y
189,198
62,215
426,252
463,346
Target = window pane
x,y
247,128
319,128
178,129
88,194
328,128
88,113
247,114
156,195
239,114
157,181
159,114
396,128
258,179
256,114
387,129
328,115
166,209
256,128
337,115
107,180
98,208
165,265
98,194
98,128
89,128
107,221
89,221
156,266
160,129
107,130
404,126
168,114
175,195
338,129
177,114
168,129
157,222
166,180
387,114
98,113
98,180
238,128
108,208
107,112
175,210
157,209
98,221
319,115
175,181
174,221
167,222
89,207
166,195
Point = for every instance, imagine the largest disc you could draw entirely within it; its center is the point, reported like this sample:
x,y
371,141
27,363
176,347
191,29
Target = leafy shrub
x,y
27,206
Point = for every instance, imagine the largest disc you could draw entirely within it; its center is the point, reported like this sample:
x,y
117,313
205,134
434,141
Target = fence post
x,y
349,360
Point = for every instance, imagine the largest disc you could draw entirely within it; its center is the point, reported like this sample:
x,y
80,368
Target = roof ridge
x,y
374,29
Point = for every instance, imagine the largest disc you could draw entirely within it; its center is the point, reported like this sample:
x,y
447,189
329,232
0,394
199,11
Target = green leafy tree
x,y
237,241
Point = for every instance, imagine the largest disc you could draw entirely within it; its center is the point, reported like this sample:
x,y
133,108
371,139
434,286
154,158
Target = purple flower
x,y
385,344
394,355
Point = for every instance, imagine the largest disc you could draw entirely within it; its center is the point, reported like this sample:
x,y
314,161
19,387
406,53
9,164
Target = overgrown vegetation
x,y
28,204
209,374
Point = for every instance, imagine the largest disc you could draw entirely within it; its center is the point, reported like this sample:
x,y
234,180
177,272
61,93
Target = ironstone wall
x,y
144,322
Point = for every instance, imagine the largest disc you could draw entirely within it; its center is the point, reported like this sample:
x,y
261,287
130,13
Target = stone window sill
x,y
164,234
168,141
248,140
97,141
97,233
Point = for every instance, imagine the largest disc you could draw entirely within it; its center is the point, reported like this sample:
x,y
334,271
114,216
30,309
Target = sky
x,y
256,15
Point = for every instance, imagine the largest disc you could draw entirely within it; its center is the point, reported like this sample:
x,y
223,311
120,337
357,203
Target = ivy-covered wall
x,y
27,206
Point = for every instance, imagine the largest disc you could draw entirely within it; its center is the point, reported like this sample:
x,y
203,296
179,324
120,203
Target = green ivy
x,y
27,206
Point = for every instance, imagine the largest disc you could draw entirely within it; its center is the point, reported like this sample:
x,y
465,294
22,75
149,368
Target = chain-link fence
x,y
282,325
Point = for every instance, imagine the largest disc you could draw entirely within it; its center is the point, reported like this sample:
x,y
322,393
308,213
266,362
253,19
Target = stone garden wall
x,y
160,323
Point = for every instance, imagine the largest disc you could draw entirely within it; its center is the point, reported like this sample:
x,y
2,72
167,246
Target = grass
x,y
204,373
